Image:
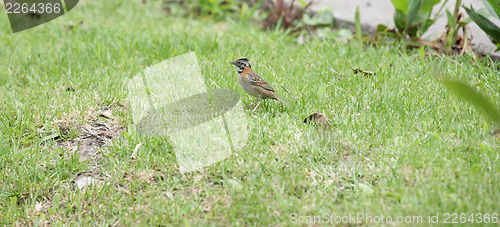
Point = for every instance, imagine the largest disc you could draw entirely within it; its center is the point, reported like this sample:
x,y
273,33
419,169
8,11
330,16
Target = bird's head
x,y
241,64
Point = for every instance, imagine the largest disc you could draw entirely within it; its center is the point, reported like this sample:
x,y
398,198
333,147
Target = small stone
x,y
82,182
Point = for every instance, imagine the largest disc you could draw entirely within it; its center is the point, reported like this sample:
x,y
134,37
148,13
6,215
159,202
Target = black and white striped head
x,y
241,64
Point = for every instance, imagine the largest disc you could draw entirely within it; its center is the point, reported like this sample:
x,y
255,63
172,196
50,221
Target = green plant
x,y
452,40
283,16
357,19
413,17
319,24
216,9
484,23
249,9
321,18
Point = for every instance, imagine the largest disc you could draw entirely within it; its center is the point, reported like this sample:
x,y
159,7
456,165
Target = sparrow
x,y
253,84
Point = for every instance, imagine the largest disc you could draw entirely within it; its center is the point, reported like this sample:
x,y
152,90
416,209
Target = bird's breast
x,y
242,76
246,85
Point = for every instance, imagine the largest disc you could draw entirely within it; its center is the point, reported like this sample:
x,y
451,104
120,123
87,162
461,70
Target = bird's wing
x,y
257,81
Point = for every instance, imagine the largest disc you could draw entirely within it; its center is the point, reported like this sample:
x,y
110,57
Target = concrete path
x,y
374,12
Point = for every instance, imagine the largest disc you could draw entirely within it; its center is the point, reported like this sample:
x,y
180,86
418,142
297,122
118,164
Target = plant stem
x,y
457,9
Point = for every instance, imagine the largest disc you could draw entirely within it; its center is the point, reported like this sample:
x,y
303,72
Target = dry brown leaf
x,y
365,73
72,25
318,118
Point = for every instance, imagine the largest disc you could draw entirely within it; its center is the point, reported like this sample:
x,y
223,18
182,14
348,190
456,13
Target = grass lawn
x,y
401,144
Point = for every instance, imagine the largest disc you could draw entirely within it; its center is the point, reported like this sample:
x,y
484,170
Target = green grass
x,y
401,144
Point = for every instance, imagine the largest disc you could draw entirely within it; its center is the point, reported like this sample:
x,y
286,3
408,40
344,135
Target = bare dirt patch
x,y
93,138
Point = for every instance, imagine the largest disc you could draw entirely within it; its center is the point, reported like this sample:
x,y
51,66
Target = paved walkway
x,y
374,12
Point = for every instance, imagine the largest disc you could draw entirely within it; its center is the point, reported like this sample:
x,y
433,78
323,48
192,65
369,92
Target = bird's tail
x,y
277,98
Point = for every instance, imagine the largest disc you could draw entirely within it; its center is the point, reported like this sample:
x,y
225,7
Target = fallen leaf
x,y
73,25
365,73
318,118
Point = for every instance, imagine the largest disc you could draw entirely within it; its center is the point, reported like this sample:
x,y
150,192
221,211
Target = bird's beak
x,y
233,62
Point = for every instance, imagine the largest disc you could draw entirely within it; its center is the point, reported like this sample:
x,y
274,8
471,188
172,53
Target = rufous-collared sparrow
x,y
253,84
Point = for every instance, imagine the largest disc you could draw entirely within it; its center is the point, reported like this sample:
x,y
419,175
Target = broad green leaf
x,y
473,97
382,28
486,25
488,7
401,5
400,20
307,19
412,17
483,12
494,5
324,18
427,6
